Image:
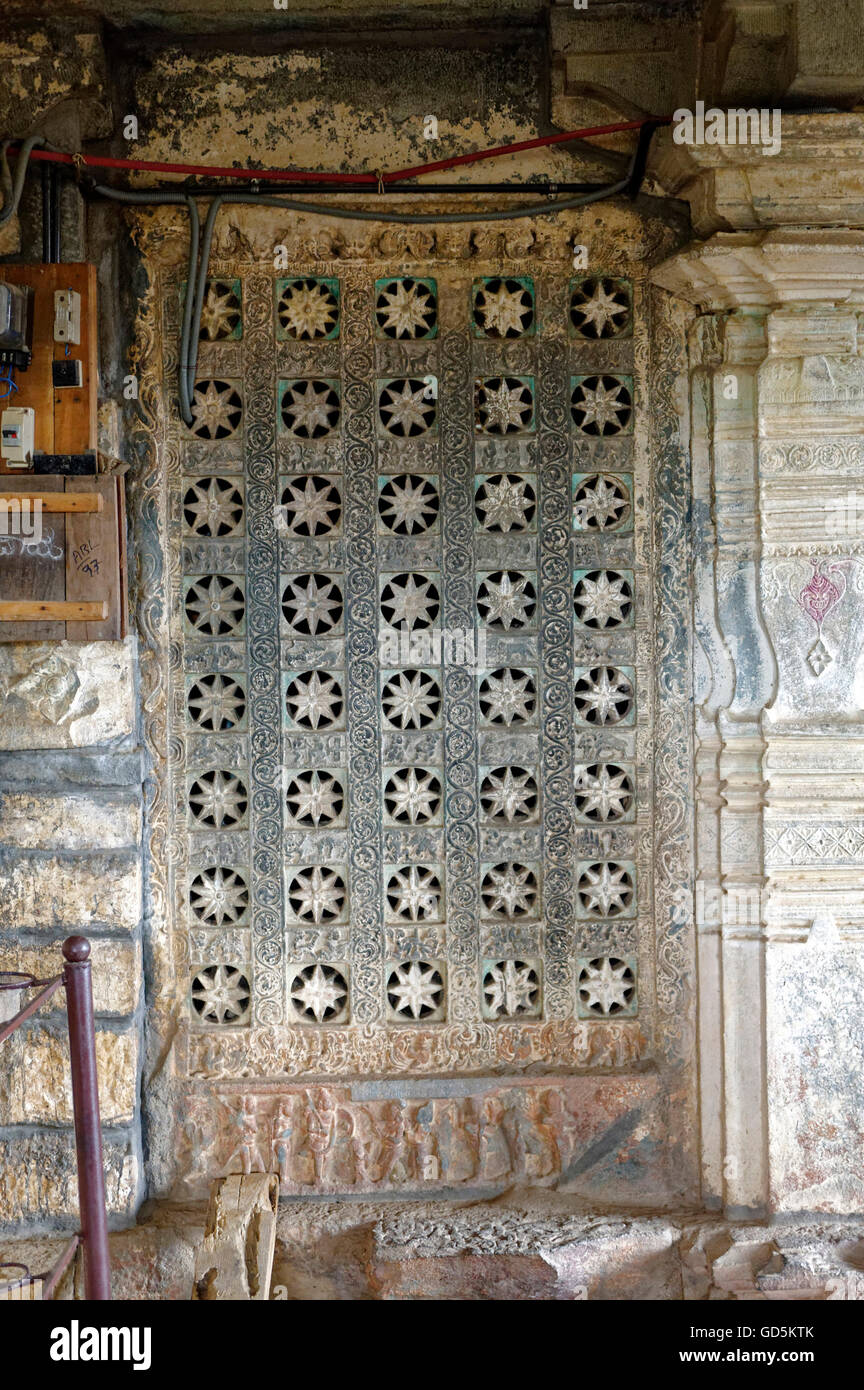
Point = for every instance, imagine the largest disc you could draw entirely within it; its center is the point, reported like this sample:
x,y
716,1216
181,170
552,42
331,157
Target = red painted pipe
x,y
88,1132
89,161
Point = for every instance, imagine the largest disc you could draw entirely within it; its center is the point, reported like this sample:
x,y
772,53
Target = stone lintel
x,y
814,178
769,269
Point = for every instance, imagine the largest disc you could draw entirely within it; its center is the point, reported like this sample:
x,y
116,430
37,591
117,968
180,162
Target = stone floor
x,y
525,1246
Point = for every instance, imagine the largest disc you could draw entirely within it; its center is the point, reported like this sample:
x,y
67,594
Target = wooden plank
x,y
235,1259
34,571
35,386
63,502
66,418
27,611
121,554
75,407
92,559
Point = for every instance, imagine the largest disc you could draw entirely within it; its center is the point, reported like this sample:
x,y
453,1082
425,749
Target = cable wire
x,y
200,244
372,180
12,192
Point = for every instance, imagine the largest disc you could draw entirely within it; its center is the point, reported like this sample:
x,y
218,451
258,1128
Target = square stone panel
x,y
409,505
509,795
217,702
315,798
214,607
407,407
507,697
217,409
313,699
316,894
406,308
503,307
606,987
218,895
600,308
213,507
307,308
413,796
411,697
606,889
511,989
603,598
602,501
312,604
605,792
309,507
318,993
414,893
601,404
504,405
416,991
505,504
309,408
510,890
220,995
605,695
507,600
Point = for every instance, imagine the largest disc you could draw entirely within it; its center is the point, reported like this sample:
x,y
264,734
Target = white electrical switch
x,y
67,316
16,435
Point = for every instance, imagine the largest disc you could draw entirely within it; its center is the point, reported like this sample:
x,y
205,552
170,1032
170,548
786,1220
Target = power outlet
x,y
67,316
66,372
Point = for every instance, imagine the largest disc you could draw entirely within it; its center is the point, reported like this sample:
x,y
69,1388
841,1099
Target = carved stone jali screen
x,y
421,830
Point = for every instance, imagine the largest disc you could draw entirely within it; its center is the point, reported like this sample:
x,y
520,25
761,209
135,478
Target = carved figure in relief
x,y
402,1160
460,1149
392,1130
424,1137
248,1149
197,1130
564,1126
368,1145
532,1140
496,1160
290,1141
331,1133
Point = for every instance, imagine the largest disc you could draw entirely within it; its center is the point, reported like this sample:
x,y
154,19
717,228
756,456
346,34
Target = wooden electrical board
x,y
63,575
66,416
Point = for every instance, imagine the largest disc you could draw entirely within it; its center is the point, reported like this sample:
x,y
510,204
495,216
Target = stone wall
x,y
87,815
70,862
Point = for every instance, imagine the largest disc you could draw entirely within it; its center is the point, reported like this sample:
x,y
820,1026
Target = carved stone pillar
x,y
777,414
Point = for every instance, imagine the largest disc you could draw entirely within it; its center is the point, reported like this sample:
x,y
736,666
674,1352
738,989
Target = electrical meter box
x,y
59,379
15,324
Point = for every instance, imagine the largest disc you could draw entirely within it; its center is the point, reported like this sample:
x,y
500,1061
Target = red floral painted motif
x,y
822,592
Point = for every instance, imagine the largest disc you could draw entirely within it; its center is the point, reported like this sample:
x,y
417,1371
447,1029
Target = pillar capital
x,y
810,267
813,179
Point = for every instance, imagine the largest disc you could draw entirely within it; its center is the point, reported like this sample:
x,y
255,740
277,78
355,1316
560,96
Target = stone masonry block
x,y
47,891
66,694
35,1077
116,972
39,1178
71,768
68,822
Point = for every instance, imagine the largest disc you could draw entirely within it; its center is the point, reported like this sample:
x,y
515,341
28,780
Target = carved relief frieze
x,y
330,1139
